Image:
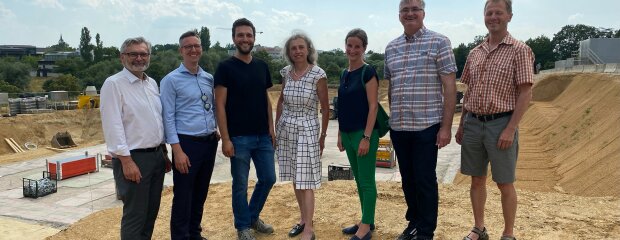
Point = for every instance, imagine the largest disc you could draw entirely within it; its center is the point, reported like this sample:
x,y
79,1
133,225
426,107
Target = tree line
x,y
97,62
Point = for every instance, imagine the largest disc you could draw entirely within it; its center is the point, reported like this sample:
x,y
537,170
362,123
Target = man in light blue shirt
x,y
190,129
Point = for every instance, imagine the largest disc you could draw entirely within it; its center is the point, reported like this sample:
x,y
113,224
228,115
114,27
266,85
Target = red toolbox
x,y
72,166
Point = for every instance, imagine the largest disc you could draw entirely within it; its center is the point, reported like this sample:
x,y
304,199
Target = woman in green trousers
x,y
357,135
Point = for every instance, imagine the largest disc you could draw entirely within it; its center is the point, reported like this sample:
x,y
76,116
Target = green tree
x,y
85,46
205,39
15,73
32,61
617,35
61,46
95,75
70,65
566,41
460,57
98,51
64,82
543,51
165,47
162,63
110,53
8,88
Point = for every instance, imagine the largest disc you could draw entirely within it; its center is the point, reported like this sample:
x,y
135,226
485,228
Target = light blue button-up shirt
x,y
183,108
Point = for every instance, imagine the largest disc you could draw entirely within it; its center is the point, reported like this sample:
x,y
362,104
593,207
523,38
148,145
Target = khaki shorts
x,y
479,147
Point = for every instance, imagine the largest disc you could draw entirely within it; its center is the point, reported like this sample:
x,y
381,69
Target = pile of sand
x,y
84,126
570,136
546,216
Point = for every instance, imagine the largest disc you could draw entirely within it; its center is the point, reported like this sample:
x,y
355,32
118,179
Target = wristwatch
x,y
366,137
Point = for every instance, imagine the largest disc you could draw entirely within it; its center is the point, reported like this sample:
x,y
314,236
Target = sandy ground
x,y
568,175
540,216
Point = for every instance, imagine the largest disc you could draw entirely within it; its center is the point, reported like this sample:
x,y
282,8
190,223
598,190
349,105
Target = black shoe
x,y
353,229
296,230
408,234
368,236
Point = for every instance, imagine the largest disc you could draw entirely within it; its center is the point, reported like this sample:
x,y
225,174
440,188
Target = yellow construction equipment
x,y
386,157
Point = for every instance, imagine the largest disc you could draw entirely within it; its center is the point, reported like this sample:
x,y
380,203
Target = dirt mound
x,y
83,125
570,136
546,216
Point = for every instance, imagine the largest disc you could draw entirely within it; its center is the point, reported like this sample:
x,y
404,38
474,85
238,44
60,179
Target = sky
x,y
41,22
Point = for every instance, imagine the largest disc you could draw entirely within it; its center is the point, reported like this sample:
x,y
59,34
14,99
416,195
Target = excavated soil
x,y
570,136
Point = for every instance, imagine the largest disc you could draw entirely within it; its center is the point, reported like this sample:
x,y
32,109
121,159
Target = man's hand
x,y
130,169
181,162
506,138
443,136
273,137
227,148
459,135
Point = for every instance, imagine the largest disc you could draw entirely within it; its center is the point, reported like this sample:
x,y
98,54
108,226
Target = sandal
x,y
482,235
508,238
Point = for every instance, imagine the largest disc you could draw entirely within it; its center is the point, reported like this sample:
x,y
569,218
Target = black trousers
x,y
417,159
140,200
191,189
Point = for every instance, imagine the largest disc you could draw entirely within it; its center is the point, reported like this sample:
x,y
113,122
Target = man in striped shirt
x,y
499,78
420,67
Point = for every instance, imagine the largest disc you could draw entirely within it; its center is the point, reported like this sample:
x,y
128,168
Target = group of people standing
x,y
193,111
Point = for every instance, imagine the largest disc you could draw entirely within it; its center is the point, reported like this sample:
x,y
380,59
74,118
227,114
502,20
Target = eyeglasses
x,y
411,10
205,99
189,47
136,54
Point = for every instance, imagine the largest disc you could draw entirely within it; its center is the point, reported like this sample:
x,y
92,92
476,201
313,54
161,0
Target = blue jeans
x,y
260,149
417,160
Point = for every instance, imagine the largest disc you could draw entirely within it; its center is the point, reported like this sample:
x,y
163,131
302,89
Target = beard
x,y
137,67
244,51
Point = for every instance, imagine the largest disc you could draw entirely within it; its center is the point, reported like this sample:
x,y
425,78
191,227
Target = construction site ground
x,y
568,178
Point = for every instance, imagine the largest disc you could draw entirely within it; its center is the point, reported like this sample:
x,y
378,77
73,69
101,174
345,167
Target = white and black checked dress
x,y
298,129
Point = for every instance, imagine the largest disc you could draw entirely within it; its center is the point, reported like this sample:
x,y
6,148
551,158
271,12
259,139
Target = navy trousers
x,y
417,159
191,189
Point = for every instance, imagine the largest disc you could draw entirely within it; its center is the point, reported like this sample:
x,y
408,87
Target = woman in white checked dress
x,y
300,139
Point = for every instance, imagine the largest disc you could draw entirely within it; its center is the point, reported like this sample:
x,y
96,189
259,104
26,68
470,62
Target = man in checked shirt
x,y
499,78
420,67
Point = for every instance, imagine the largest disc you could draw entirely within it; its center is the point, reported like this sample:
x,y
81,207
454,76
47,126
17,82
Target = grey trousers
x,y
140,200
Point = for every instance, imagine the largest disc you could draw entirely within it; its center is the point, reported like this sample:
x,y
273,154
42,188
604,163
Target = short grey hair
x,y
422,4
136,40
508,5
312,55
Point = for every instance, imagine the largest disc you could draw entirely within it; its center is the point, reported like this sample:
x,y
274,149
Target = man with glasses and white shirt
x,y
189,120
134,134
421,69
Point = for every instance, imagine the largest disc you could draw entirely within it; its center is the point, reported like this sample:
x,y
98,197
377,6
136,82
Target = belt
x,y
153,149
491,117
207,138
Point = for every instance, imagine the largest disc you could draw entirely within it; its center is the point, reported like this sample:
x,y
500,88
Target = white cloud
x,y
258,14
575,17
5,13
287,17
49,4
463,31
252,1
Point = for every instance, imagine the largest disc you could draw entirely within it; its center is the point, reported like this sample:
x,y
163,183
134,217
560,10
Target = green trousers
x,y
364,170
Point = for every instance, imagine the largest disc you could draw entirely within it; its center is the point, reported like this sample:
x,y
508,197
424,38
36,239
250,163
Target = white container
x,y
4,98
59,96
90,91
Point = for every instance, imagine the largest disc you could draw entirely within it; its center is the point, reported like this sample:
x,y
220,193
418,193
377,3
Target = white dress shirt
x,y
130,113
